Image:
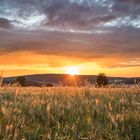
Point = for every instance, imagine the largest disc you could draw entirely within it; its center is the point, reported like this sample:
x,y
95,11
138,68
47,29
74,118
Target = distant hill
x,y
39,79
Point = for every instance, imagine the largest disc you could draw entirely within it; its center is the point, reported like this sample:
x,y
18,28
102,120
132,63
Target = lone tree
x,y
101,80
21,80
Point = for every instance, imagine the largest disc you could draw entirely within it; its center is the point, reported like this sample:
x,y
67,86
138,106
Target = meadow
x,y
69,113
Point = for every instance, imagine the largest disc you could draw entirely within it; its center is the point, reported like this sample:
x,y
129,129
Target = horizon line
x,y
69,74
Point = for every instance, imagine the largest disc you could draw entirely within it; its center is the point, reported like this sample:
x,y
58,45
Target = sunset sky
x,y
49,36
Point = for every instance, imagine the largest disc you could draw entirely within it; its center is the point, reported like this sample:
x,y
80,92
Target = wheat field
x,y
69,113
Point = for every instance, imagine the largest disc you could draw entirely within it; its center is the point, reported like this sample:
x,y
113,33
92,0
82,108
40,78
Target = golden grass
x,y
69,113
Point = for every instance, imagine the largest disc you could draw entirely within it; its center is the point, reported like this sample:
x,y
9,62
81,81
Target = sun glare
x,y
72,71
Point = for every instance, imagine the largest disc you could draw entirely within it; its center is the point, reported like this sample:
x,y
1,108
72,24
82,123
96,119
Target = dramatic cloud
x,y
90,48
68,14
4,23
90,30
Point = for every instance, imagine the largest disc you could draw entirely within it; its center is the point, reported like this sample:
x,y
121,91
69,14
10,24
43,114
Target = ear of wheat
x,y
1,78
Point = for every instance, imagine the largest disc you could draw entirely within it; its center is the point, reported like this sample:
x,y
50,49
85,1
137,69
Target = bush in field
x,y
101,80
21,80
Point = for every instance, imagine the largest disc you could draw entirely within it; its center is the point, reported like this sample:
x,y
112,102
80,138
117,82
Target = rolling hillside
x,y
39,79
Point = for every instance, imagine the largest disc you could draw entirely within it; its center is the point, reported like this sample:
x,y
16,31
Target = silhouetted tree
x,y
21,80
101,80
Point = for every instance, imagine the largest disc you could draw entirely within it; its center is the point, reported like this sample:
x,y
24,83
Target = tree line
x,y
101,80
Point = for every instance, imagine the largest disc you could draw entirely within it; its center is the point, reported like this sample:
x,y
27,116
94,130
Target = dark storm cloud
x,y
126,7
61,13
76,15
133,1
84,14
76,45
4,23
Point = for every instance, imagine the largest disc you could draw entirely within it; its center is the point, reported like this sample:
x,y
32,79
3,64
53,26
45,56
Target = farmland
x,y
69,113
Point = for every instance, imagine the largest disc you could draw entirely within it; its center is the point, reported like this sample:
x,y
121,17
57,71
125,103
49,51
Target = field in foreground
x,y
66,113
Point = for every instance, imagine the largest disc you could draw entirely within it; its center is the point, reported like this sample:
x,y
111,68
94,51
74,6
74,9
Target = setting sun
x,y
72,71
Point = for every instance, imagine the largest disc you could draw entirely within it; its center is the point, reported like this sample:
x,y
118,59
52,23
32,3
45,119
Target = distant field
x,y
69,113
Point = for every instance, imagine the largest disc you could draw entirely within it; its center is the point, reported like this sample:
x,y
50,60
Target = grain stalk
x,y
1,78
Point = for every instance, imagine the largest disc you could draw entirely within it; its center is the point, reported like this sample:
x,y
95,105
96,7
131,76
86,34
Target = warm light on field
x,y
72,71
58,109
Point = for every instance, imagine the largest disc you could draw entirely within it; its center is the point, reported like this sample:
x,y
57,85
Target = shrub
x,y
21,80
101,80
